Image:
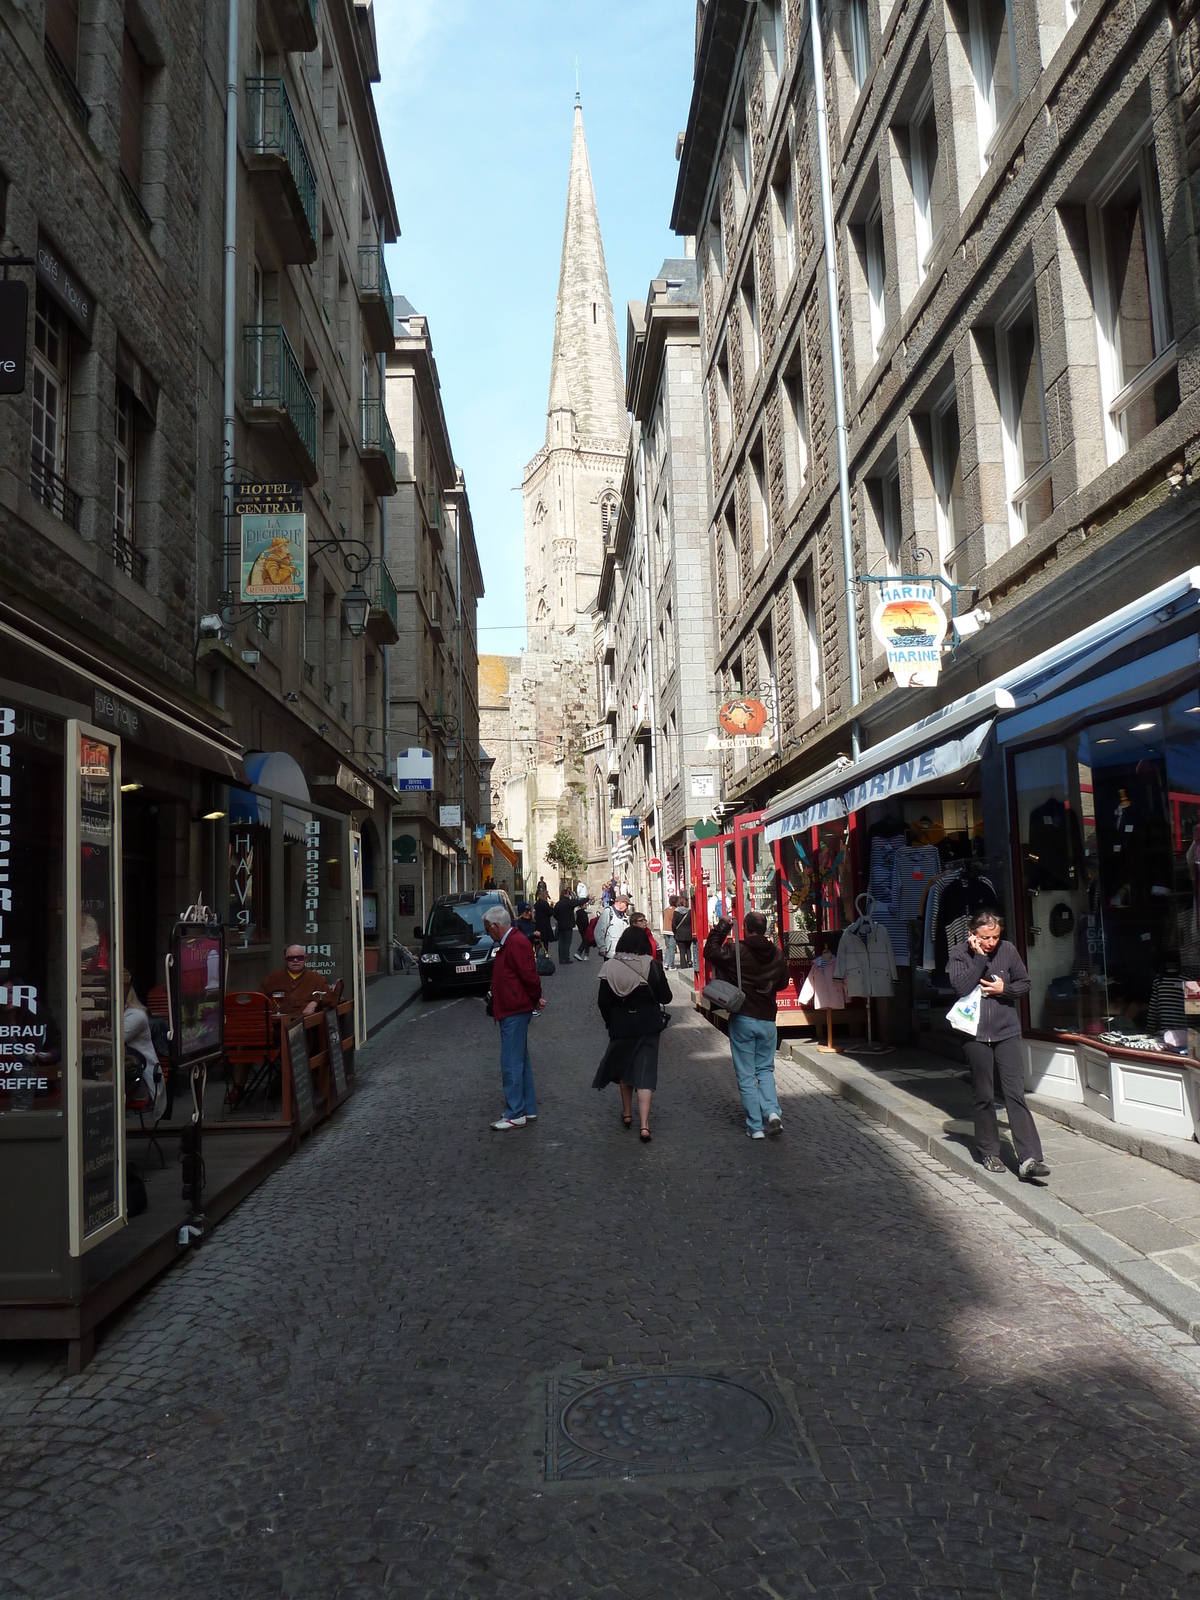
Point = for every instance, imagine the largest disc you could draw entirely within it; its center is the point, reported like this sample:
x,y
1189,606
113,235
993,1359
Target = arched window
x,y
610,507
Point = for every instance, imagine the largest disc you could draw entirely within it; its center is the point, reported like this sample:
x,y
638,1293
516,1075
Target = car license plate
x,y
467,968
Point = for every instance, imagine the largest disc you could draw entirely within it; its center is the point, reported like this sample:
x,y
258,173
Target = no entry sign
x,y
654,864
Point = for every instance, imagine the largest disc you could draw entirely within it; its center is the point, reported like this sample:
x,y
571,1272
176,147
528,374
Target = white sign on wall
x,y
414,769
450,816
704,786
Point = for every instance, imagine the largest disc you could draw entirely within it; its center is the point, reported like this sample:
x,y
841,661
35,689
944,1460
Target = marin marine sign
x,y
273,541
910,624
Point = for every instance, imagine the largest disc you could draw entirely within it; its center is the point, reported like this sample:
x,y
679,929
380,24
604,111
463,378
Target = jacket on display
x,y
865,962
764,969
516,986
998,1014
822,991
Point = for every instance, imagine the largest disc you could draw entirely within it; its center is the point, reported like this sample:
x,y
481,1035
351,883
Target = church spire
x,y
585,371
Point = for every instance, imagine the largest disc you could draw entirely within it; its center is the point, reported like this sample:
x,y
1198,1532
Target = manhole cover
x,y
632,1424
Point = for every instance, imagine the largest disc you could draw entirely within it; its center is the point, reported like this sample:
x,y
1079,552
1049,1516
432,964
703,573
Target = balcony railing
x,y
373,277
128,557
274,381
54,492
381,590
377,432
275,131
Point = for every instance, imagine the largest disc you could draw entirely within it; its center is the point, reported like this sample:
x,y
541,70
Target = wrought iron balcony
x,y
128,557
277,395
378,447
280,170
375,293
383,619
54,492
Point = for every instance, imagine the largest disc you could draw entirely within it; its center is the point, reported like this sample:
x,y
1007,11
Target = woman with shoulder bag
x,y
985,959
633,991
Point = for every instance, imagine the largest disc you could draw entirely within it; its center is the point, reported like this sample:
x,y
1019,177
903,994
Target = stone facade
x,y
431,546
980,158
654,650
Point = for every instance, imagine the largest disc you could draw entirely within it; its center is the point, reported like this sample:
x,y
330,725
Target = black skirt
x,y
633,1062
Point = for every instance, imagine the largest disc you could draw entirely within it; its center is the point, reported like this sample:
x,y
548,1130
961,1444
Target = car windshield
x,y
458,922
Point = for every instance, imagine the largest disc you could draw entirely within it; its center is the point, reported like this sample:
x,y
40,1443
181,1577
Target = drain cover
x,y
632,1424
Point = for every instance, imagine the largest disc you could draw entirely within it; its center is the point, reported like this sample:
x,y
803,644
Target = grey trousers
x,y
1006,1059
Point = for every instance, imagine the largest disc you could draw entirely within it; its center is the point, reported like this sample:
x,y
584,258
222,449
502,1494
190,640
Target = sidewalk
x,y
387,996
1130,1216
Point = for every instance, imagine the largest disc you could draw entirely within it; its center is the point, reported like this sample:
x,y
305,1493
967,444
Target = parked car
x,y
454,951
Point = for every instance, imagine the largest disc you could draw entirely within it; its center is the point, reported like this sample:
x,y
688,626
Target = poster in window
x,y
197,978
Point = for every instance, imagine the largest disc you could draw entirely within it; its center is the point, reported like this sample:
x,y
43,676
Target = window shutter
x,y
131,112
62,31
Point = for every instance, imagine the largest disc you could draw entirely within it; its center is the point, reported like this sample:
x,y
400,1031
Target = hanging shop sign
x,y
743,726
358,788
414,770
449,816
404,850
274,541
631,827
706,830
703,785
14,318
910,624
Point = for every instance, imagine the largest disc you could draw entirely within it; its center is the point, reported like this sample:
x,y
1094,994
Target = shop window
x,y
928,181
751,330
783,209
1109,852
994,66
952,529
133,101
1025,435
62,32
859,42
795,426
51,388
1134,333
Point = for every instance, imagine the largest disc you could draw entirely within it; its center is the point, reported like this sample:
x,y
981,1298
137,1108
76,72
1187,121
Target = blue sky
x,y
476,110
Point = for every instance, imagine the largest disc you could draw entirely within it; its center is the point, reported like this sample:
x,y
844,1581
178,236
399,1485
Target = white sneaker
x,y
530,1116
505,1123
755,1133
774,1123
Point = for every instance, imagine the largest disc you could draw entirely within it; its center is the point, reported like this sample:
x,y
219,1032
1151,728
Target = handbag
x,y
545,967
728,996
964,1013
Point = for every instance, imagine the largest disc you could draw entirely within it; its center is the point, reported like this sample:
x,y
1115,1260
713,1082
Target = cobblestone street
x,y
344,1392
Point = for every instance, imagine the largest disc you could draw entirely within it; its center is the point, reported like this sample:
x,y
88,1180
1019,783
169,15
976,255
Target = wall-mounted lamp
x,y
128,788
355,606
212,816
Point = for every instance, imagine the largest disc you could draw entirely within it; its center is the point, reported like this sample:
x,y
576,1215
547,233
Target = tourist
x,y
752,1032
516,995
611,924
668,933
564,917
633,992
581,923
682,930
985,958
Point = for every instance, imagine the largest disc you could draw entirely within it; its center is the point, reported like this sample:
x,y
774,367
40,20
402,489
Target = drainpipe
x,y
650,678
228,441
839,395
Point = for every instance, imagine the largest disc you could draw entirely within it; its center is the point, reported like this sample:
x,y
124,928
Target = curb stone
x,y
1176,1300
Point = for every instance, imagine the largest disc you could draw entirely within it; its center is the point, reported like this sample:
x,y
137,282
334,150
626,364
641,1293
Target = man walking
x,y
564,919
581,923
668,933
752,1032
516,995
682,930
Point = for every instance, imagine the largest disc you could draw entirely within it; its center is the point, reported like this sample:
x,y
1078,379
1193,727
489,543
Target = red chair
x,y
250,1042
156,1001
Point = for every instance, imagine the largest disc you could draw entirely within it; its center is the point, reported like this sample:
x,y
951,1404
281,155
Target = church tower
x,y
572,484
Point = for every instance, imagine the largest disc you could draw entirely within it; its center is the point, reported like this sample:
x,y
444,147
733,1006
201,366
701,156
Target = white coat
x,y
867,966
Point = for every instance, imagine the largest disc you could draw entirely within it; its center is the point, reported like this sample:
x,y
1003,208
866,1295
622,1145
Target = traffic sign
x,y
654,864
631,827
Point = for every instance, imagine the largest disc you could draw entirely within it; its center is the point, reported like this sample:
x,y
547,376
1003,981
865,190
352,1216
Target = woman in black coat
x,y
633,990
543,916
986,958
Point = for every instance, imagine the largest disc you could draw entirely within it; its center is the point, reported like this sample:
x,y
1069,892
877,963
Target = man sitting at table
x,y
296,990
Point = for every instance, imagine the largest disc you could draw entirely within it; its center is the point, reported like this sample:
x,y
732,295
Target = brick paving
x,y
343,1393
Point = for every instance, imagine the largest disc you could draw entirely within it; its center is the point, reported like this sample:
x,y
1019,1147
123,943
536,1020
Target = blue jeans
x,y
516,1069
752,1042
669,951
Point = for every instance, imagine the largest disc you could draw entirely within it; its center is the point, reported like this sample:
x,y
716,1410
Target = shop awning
x,y
866,781
1137,680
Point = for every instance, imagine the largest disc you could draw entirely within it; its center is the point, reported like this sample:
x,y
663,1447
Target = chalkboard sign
x,y
337,1064
297,1049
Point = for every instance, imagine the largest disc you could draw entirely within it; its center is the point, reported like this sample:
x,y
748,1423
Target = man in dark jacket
x,y
516,995
752,1032
581,923
564,918
683,933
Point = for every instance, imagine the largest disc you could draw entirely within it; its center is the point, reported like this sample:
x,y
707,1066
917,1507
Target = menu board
x,y
98,1089
337,1063
297,1050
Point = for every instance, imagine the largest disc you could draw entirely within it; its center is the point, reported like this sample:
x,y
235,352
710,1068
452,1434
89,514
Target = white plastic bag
x,y
964,1013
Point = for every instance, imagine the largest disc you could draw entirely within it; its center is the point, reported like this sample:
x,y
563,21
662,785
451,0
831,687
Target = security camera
x,y
211,626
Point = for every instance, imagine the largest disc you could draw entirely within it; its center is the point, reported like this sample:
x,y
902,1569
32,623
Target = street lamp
x,y
355,606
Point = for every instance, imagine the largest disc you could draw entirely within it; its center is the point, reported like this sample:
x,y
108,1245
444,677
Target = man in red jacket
x,y
516,995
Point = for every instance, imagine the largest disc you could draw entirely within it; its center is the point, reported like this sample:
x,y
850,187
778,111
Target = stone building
x,y
434,682
570,493
1019,305
654,657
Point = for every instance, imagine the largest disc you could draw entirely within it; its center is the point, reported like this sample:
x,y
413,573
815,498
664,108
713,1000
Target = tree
x,y
563,852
